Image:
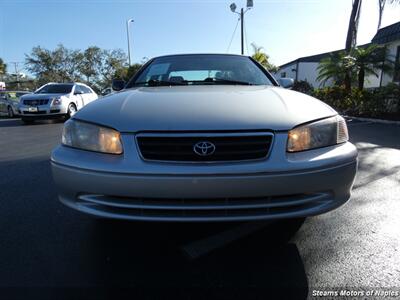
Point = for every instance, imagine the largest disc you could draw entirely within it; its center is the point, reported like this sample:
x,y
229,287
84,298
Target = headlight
x,y
91,137
326,132
56,101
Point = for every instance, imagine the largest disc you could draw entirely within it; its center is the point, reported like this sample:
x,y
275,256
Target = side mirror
x,y
287,83
117,84
78,93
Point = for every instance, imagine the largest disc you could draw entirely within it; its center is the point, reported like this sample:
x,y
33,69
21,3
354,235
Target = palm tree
x,y
369,61
382,8
335,67
262,58
351,39
3,68
361,62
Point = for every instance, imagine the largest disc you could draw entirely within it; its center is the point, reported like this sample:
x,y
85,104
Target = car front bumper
x,y
283,186
42,111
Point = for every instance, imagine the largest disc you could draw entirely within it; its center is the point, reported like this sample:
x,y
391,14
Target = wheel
x,y
27,121
10,112
71,110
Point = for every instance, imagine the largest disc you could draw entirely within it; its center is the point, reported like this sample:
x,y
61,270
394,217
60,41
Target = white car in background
x,y
55,100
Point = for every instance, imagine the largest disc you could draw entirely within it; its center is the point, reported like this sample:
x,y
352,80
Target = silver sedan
x,y
204,137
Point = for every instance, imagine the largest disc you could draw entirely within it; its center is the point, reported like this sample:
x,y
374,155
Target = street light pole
x,y
128,36
233,6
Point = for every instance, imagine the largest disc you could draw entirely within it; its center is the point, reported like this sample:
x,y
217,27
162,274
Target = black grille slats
x,y
227,148
36,102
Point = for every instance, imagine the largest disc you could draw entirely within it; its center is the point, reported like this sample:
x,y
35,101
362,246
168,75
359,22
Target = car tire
x,y
10,112
27,121
71,110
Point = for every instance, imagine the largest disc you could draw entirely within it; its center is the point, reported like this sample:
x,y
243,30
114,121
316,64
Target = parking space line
x,y
13,119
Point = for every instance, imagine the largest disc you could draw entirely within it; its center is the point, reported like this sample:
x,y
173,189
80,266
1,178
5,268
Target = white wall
x,y
288,70
308,72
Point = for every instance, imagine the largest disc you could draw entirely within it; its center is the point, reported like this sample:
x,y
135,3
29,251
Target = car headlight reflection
x,y
326,132
91,137
56,101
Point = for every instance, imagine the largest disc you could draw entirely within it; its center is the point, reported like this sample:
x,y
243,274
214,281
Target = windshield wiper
x,y
211,80
229,81
153,82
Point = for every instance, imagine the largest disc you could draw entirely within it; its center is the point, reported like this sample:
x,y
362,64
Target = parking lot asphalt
x,y
46,247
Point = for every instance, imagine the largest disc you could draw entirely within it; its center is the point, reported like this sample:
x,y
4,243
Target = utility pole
x,y
241,30
16,63
128,36
233,7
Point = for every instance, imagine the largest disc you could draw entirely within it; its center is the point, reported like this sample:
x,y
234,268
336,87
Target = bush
x,y
303,86
376,102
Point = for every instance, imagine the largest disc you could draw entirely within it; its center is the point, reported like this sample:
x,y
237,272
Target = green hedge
x,y
371,102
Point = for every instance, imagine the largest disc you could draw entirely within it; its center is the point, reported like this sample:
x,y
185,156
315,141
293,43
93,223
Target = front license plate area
x,y
33,109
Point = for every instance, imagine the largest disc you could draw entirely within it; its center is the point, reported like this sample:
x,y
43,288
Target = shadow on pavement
x,y
147,257
18,122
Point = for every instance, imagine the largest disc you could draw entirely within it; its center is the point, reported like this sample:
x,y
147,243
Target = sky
x,y
287,29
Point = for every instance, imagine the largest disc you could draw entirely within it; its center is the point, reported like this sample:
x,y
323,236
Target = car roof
x,y
199,54
68,83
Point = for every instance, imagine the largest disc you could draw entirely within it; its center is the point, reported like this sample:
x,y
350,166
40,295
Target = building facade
x,y
305,68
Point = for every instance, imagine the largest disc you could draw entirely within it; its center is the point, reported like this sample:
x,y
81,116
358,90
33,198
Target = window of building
x,y
283,74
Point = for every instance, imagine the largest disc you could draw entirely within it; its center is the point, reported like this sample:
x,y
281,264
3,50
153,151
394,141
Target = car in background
x,y
107,91
9,101
55,100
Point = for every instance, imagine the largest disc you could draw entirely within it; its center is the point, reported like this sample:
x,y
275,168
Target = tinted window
x,y
85,89
202,69
78,89
55,89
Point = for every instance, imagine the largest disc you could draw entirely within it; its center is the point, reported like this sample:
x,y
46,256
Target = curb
x,y
381,121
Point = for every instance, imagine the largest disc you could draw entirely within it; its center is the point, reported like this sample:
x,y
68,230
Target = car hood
x,y
41,96
204,108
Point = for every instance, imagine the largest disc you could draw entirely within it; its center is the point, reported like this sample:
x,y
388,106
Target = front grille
x,y
36,102
227,147
41,112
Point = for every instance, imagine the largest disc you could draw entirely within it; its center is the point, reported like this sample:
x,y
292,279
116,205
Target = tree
x,y
127,73
97,66
91,60
261,57
113,61
335,67
60,65
369,60
351,39
362,62
3,68
382,4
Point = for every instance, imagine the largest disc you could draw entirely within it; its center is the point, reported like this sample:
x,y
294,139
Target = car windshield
x,y
202,70
55,89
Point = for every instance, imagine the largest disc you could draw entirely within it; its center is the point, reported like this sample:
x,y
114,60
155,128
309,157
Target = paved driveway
x,y
45,245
